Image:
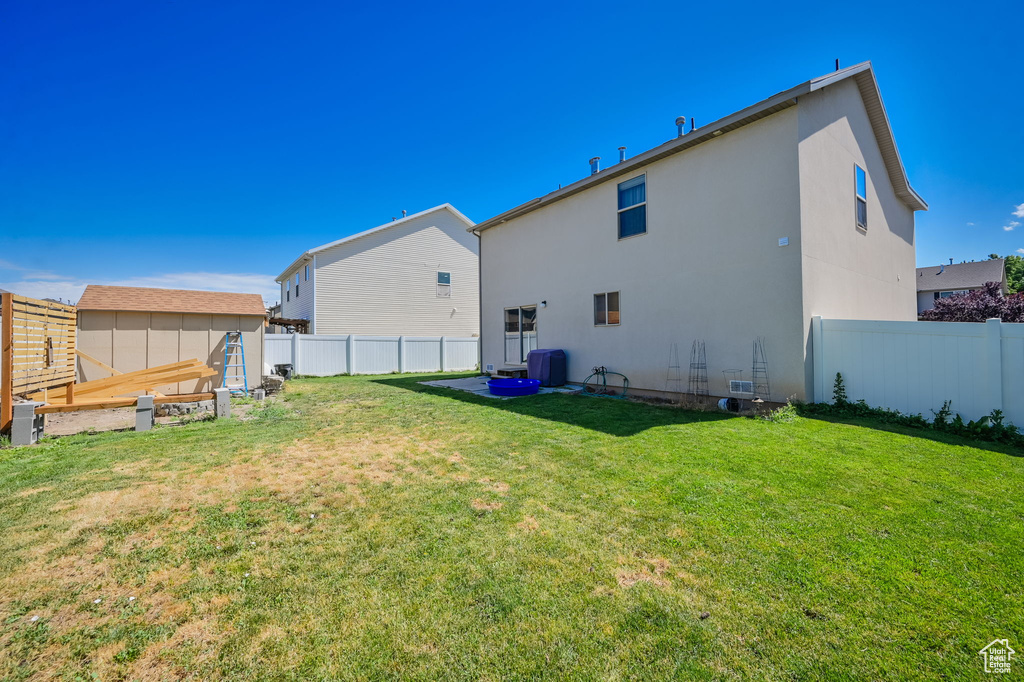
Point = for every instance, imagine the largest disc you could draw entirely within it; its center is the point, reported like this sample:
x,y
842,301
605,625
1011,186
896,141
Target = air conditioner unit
x,y
737,386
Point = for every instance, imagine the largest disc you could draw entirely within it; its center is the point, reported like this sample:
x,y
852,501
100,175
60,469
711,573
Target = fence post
x,y
818,360
994,364
444,354
295,353
350,353
401,355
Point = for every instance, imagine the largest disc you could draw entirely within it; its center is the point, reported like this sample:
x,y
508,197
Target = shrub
x,y
988,428
978,306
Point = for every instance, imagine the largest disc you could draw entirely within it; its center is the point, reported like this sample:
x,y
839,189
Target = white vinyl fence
x,y
328,354
914,367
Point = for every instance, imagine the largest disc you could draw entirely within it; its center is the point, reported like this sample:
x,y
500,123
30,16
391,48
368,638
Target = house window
x,y
296,285
633,207
444,284
948,294
520,333
606,309
306,278
861,181
288,291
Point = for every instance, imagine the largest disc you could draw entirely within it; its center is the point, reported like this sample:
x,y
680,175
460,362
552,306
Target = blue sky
x,y
205,145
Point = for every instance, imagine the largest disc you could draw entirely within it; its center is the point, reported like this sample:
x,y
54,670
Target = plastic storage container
x,y
547,365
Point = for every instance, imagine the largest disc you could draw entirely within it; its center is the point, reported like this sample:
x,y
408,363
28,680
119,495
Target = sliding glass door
x,y
520,333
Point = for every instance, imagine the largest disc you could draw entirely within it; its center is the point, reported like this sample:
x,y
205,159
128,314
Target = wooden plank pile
x,y
113,391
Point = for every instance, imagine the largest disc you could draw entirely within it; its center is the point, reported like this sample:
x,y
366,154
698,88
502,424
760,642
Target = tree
x,y
1014,272
978,306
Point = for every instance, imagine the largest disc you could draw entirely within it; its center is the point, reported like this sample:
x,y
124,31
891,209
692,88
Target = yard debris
x,y
705,615
33,619
96,601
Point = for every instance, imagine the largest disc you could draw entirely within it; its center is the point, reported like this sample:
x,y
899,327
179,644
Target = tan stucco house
x,y
941,281
415,276
133,328
748,227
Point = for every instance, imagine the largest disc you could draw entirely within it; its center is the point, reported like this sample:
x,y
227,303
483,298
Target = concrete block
x,y
259,394
144,413
26,425
222,402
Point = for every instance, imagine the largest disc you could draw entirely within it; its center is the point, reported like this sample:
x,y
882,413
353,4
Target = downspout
x,y
312,313
480,300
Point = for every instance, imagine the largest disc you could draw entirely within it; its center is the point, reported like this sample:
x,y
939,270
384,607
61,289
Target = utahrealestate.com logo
x,y
998,656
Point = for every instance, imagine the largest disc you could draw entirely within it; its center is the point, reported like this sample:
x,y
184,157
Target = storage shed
x,y
133,328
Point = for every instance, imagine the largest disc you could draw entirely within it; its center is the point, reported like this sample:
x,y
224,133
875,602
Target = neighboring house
x,y
132,328
942,281
797,206
417,276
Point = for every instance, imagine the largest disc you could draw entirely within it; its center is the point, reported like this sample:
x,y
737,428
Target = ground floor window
x,y
520,333
606,309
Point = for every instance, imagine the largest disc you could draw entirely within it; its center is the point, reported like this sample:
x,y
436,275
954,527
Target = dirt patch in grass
x,y
482,506
654,574
34,491
528,524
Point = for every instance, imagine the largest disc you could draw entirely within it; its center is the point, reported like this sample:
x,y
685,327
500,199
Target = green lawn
x,y
371,528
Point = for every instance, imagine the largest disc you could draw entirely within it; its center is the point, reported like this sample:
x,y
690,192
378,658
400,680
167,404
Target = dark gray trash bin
x,y
283,370
547,365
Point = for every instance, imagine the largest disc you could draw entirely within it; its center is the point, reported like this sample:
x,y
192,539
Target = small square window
x,y
633,207
444,284
861,189
606,309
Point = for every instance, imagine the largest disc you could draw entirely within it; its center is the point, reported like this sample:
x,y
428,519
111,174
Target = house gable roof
x,y
306,255
861,73
144,299
961,275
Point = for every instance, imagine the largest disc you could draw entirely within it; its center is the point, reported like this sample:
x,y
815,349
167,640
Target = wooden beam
x,y
96,362
132,382
112,403
6,362
115,383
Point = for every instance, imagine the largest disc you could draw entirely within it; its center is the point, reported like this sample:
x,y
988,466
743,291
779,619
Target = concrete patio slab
x,y
478,385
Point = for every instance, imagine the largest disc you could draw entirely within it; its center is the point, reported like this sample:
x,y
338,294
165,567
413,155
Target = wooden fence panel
x,y
37,348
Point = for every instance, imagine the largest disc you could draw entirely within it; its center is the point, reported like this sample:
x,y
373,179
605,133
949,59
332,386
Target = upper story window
x,y
296,285
861,181
288,290
444,284
606,309
633,207
306,278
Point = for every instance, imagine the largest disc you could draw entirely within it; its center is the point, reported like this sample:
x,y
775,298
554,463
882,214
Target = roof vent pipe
x,y
595,165
942,268
622,154
404,212
693,123
950,261
680,124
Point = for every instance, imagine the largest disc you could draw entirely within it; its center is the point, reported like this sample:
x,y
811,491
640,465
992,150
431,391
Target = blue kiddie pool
x,y
513,387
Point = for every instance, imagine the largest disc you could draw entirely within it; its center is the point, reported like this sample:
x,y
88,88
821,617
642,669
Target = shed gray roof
x,y
863,76
960,275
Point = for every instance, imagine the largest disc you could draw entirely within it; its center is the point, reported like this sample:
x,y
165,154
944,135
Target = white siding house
x,y
746,228
417,276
